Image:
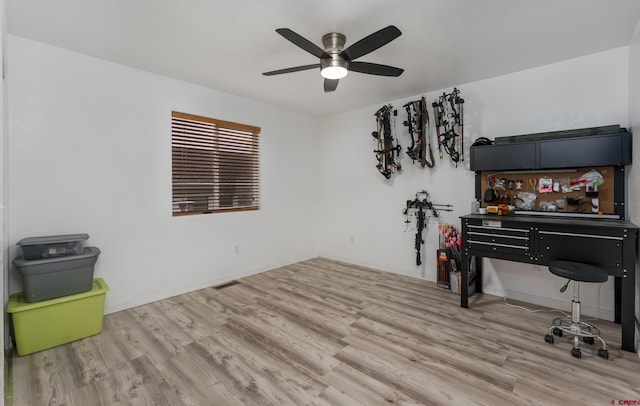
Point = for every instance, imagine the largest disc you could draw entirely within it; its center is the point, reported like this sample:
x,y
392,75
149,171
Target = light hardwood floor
x,y
322,332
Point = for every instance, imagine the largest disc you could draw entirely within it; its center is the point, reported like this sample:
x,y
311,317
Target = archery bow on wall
x,y
448,116
422,207
418,126
388,152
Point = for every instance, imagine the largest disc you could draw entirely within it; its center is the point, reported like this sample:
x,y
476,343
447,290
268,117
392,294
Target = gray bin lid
x,y
87,252
52,239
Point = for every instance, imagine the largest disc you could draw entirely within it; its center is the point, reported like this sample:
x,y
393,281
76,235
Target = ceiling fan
x,y
336,61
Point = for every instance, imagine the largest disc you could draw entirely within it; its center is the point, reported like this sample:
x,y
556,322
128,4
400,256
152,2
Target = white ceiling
x,y
226,44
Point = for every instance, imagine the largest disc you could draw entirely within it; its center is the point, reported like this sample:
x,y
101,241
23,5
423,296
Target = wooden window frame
x,y
215,165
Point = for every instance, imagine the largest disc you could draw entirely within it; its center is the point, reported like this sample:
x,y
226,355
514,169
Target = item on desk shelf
x,y
475,206
501,209
533,182
573,201
526,200
592,177
489,195
545,185
591,190
519,185
595,205
483,210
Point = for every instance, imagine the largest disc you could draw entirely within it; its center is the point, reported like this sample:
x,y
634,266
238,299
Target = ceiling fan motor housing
x,y
333,45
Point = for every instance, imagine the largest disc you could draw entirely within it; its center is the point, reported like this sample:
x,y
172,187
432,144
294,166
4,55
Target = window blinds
x,y
215,165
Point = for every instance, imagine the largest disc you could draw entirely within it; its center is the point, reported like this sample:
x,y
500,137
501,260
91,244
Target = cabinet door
x,y
514,156
583,151
603,248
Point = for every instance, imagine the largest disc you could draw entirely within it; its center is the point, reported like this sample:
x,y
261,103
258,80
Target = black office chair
x,y
577,272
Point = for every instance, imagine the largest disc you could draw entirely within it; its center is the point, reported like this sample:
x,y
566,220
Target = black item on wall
x,y
567,152
419,206
418,124
388,147
449,118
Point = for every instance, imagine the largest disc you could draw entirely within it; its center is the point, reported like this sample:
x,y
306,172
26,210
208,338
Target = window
x,y
215,165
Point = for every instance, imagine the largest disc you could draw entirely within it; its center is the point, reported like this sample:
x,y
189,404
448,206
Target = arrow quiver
x,y
422,207
388,151
449,120
418,126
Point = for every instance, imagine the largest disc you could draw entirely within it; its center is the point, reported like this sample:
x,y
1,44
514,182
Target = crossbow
x,y
448,114
418,124
420,205
388,147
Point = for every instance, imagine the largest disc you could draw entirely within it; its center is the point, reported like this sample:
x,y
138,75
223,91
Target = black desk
x,y
610,244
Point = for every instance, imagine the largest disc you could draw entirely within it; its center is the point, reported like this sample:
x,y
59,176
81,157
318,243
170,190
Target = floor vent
x,y
226,285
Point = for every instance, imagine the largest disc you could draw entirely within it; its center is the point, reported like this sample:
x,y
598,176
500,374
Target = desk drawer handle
x,y
498,235
499,245
520,230
604,237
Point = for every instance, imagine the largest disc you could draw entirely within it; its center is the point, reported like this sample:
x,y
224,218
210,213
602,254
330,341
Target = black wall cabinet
x,y
573,152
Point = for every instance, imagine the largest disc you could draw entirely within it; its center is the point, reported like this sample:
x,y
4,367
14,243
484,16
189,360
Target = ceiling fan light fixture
x,y
334,72
335,68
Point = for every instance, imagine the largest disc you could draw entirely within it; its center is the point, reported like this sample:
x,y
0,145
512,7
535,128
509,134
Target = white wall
x,y
71,118
363,221
90,152
634,176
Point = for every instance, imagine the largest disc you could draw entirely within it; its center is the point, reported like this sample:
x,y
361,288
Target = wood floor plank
x,y
365,388
323,332
193,382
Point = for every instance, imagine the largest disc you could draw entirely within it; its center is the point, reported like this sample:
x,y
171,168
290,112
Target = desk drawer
x,y
507,241
601,250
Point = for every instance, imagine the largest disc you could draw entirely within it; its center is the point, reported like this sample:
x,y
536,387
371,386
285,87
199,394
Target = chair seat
x,y
578,271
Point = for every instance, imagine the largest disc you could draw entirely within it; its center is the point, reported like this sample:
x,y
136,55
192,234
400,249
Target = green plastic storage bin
x,y
47,324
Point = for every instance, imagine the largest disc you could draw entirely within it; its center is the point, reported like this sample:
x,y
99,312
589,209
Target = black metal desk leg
x,y
464,280
627,316
617,286
478,269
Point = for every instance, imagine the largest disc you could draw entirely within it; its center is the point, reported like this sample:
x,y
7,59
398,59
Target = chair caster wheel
x,y
575,352
557,331
588,340
548,338
602,353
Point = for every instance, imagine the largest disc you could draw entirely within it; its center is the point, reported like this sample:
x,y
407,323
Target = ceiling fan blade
x,y
371,43
330,85
375,69
303,43
289,70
